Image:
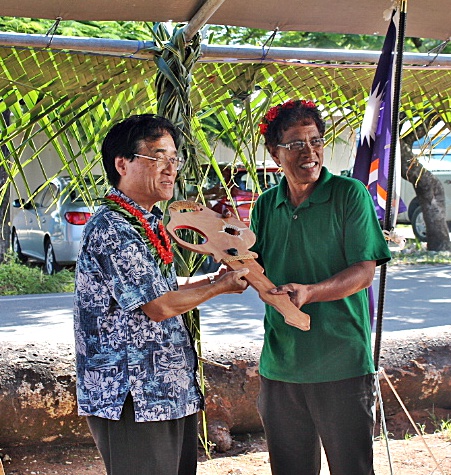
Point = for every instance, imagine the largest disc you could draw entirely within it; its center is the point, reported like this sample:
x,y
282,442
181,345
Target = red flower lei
x,y
274,112
161,244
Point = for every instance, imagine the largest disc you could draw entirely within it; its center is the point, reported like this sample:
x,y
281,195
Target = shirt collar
x,y
155,212
320,194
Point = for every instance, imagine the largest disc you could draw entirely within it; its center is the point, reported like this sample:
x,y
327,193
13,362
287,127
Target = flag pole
x,y
391,171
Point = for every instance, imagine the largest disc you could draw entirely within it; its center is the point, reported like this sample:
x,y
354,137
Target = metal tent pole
x,y
216,53
391,172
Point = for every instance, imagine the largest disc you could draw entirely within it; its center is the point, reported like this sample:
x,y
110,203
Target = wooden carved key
x,y
228,240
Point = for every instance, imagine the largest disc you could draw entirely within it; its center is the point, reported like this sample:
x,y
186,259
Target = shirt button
x,y
295,216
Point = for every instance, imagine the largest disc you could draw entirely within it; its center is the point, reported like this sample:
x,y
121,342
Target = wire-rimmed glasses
x,y
299,145
163,162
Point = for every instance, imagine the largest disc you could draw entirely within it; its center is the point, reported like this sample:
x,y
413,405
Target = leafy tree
x,y
130,30
228,35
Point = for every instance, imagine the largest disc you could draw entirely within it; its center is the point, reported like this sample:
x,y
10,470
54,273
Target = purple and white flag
x,y
373,150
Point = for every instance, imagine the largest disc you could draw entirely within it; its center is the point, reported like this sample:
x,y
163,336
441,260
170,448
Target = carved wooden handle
x,y
228,240
282,303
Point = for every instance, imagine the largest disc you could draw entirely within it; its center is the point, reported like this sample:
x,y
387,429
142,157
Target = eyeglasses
x,y
163,162
299,145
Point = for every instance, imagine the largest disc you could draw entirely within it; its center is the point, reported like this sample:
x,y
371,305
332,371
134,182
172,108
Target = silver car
x,y
49,227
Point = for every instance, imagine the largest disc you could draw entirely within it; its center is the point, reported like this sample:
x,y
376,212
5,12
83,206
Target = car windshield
x,y
436,162
439,142
434,152
96,188
242,180
266,179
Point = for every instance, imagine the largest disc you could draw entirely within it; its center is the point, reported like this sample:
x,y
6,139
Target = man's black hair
x,y
123,139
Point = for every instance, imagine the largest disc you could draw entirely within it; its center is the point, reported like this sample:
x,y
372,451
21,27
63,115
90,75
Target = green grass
x,y
445,429
411,255
19,279
415,252
441,426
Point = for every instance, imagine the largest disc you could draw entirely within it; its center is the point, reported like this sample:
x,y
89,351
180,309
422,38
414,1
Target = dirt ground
x,y
248,456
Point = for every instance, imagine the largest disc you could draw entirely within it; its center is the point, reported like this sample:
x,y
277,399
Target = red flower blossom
x,y
274,112
308,104
161,244
263,128
289,104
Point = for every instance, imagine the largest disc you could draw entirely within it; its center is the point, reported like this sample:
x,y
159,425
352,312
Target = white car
x,y
49,228
438,162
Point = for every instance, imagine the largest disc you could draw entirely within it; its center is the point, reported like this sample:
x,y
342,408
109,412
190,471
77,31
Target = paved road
x,y
417,298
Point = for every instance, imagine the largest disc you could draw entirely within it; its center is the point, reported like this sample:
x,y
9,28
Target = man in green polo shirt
x,y
319,241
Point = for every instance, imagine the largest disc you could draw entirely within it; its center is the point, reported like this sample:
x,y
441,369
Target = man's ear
x,y
121,164
272,152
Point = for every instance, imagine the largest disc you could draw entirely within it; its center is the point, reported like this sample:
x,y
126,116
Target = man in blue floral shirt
x,y
136,365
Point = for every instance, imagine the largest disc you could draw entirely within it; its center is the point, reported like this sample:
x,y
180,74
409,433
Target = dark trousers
x,y
298,417
146,448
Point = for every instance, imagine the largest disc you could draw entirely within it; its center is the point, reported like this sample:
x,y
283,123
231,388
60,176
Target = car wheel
x,y
418,224
414,204
17,250
50,264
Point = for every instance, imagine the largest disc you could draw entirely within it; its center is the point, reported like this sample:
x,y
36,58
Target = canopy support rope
x,y
52,30
269,43
384,374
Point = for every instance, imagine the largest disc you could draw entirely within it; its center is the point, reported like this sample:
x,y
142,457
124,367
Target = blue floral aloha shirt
x,y
119,349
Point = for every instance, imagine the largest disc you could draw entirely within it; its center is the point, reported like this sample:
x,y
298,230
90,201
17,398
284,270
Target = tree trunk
x,y
4,205
430,194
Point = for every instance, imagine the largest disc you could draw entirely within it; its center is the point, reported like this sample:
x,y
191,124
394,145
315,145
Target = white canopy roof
x,y
425,18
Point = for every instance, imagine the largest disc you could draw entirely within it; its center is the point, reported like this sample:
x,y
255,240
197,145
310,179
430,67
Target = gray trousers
x,y
298,417
146,448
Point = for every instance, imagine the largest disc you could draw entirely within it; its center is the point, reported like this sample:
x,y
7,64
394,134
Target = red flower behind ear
x,y
263,128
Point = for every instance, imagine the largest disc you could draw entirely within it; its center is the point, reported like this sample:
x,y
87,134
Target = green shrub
x,y
19,279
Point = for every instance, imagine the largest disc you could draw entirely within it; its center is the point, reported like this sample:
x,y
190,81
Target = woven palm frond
x,y
74,98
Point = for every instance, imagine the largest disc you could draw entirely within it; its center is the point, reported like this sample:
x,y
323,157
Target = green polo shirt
x,y
333,229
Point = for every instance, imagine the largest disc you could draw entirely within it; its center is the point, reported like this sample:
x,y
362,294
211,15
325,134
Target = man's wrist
x,y
211,278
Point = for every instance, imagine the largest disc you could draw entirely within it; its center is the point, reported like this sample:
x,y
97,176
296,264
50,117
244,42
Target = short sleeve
x,y
364,240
